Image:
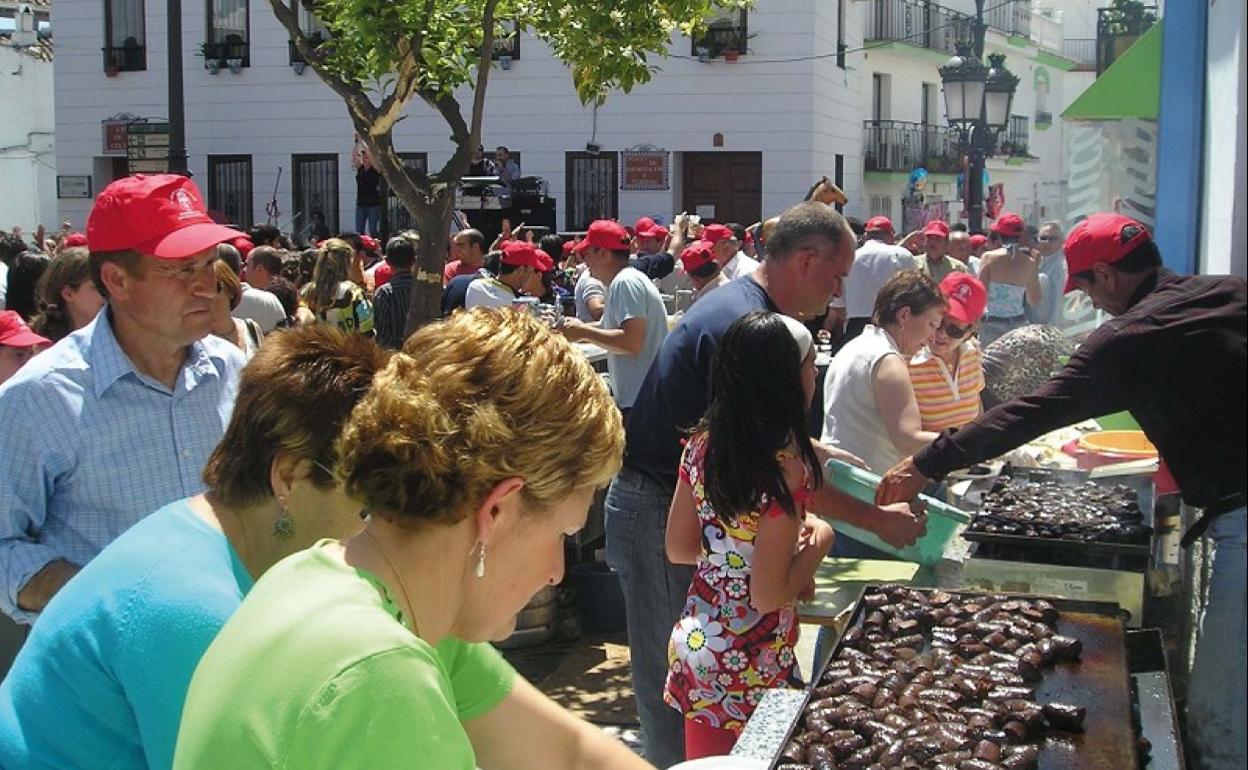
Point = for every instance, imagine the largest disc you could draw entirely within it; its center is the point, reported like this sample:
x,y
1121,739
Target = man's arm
x,y
40,589
629,339
654,266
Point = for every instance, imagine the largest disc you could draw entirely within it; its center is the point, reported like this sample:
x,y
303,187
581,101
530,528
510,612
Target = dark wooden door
x,y
732,182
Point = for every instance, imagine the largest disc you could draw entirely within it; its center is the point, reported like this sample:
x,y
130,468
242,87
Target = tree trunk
x,y
433,220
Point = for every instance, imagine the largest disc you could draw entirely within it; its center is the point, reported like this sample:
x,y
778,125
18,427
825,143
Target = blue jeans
x,y
368,217
654,596
1216,689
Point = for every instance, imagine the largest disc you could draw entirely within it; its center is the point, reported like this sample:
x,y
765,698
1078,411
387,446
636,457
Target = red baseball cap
x,y
879,224
715,233
648,228
75,239
1009,225
938,228
369,242
965,295
545,263
978,240
162,215
568,246
604,234
1100,238
696,255
14,332
244,246
520,254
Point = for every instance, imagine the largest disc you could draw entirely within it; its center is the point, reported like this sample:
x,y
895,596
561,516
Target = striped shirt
x,y
89,446
944,402
390,305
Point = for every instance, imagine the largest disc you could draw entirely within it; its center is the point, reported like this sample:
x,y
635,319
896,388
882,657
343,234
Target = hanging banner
x,y
644,170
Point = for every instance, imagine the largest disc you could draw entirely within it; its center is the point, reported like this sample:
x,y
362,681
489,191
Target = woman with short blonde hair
x,y
476,453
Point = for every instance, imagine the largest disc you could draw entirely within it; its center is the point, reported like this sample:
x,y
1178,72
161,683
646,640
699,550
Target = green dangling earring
x,y
284,526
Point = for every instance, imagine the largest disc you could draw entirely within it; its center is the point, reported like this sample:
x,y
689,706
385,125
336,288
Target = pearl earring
x,y
480,570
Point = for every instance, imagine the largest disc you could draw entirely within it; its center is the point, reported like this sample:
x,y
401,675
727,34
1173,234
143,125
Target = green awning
x,y
1130,88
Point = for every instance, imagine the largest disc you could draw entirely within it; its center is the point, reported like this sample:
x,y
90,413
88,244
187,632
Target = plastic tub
x,y
943,520
1118,443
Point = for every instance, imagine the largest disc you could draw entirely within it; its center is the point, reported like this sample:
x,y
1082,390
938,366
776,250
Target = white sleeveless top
x,y
851,418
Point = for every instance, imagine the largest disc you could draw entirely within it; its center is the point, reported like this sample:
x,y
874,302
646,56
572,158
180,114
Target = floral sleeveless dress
x,y
723,654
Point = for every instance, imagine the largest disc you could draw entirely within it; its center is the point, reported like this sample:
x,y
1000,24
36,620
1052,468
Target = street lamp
x,y
977,106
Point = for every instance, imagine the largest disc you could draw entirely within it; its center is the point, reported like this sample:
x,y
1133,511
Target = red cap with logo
x,y
715,233
15,333
75,239
161,215
1100,238
966,297
938,228
604,234
521,254
1009,225
880,224
696,255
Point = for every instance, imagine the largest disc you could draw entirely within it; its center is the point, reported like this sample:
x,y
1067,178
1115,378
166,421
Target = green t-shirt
x,y
317,670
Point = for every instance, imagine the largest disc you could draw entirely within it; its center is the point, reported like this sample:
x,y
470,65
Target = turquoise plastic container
x,y
942,518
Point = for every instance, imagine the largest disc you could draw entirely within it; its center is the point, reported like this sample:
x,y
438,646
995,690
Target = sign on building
x,y
644,170
147,148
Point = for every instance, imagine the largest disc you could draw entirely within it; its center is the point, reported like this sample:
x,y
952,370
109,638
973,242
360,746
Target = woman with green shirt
x,y
371,652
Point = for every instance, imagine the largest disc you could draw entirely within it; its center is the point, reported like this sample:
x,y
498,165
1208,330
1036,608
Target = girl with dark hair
x,y
68,299
24,274
739,514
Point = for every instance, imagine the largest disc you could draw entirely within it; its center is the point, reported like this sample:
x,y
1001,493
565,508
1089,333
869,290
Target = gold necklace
x,y
402,587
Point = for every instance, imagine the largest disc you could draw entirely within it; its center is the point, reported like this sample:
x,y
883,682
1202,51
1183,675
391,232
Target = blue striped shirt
x,y
89,445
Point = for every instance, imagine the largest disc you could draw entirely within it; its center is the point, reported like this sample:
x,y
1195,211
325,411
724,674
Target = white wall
x,y
27,153
1223,246
269,112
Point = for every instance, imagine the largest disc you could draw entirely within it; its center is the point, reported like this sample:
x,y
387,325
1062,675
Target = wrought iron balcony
x,y
1118,28
898,146
1012,17
922,24
227,50
125,58
1017,137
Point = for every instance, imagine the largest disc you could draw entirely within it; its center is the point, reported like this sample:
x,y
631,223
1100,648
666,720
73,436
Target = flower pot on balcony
x,y
212,65
731,55
704,53
111,70
235,65
298,67
504,62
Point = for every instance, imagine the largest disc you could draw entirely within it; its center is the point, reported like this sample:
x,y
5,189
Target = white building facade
x,y
742,139
27,151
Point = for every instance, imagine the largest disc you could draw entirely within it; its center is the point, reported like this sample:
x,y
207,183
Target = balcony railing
x,y
127,58
1012,17
926,25
1082,51
1118,28
1017,137
898,146
227,50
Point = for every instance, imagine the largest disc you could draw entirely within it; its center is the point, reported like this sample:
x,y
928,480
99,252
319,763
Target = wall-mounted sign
x,y
644,170
147,148
115,137
73,187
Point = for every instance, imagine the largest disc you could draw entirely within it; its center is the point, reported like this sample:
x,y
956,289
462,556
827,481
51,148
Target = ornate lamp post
x,y
977,105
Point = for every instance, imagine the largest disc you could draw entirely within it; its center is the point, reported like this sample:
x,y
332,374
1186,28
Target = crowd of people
x,y
250,519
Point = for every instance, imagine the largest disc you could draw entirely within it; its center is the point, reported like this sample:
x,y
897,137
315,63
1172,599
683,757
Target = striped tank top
x,y
943,401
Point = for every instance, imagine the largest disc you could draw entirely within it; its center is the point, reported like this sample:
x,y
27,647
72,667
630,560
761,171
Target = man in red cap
x,y
935,260
1011,274
634,320
698,262
116,419
519,274
876,260
650,254
728,253
17,344
1175,356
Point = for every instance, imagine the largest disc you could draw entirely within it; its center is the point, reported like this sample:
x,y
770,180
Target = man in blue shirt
x,y
808,256
118,418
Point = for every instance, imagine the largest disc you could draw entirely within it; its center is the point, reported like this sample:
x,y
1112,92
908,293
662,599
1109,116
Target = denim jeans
x,y
368,220
1216,690
654,596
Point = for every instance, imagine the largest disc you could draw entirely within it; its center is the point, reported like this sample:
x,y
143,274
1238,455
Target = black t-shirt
x,y
676,390
456,292
367,187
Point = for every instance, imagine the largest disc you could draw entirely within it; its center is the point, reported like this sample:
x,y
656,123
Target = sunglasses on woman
x,y
953,330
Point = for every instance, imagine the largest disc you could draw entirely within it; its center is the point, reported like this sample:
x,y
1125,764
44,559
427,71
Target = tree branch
x,y
483,71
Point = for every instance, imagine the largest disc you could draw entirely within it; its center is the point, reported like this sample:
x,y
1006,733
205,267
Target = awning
x,y
1130,88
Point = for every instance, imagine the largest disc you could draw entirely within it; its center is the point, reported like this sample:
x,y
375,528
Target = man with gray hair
x,y
1052,276
808,256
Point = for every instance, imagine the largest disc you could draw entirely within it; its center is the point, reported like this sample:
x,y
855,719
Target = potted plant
x,y
504,61
704,53
235,65
209,53
111,69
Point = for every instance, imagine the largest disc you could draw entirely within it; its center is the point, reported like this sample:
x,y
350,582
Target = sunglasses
x,y
1045,238
952,330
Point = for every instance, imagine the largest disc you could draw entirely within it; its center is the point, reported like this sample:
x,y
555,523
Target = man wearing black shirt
x,y
367,193
1174,356
809,254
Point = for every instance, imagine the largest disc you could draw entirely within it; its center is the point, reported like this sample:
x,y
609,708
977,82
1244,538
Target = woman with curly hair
x,y
372,651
